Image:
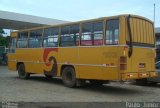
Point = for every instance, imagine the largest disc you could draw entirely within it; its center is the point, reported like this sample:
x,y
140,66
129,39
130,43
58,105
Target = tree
x,y
2,32
4,41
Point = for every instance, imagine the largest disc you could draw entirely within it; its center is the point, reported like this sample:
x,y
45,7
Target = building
x,y
157,31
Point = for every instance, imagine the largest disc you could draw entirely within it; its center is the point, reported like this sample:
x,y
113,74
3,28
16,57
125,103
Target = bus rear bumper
x,y
138,75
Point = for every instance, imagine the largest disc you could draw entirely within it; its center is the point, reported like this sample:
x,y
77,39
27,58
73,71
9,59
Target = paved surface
x,y
40,89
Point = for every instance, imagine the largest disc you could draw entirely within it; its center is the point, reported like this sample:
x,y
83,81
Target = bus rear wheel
x,y
22,73
69,77
48,76
142,82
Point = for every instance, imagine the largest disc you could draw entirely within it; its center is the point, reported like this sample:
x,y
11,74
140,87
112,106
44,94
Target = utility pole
x,y
154,13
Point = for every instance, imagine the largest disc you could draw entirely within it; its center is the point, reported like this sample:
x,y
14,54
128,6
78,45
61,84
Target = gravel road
x,y
40,89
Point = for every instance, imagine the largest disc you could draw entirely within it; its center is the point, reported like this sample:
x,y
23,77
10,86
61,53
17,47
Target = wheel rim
x,y
69,77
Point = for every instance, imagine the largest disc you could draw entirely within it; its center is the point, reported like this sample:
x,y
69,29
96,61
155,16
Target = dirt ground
x,y
40,89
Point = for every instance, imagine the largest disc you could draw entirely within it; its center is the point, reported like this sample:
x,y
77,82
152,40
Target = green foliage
x,y
4,41
2,32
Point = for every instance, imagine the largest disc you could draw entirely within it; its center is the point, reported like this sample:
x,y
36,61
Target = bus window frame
x,y
17,39
41,45
10,40
93,32
108,19
58,35
60,30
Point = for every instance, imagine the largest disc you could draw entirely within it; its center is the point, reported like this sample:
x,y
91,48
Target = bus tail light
x,y
144,75
123,60
123,63
123,66
129,75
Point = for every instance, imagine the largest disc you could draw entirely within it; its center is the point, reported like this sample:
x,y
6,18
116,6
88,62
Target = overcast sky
x,y
74,10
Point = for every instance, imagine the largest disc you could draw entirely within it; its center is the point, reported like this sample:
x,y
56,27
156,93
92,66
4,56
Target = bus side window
x,y
98,33
50,38
69,36
92,34
87,36
35,39
74,31
12,45
112,32
22,40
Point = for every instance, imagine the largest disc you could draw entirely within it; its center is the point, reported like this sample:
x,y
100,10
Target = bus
x,y
116,48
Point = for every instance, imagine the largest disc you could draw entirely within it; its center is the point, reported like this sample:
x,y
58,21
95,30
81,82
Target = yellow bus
x,y
117,48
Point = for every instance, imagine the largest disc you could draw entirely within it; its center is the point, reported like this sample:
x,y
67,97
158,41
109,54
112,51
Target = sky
x,y
76,10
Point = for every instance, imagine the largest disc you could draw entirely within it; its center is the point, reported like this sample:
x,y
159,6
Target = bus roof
x,y
90,20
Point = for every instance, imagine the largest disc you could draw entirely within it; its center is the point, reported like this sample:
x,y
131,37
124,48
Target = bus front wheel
x,y
22,73
69,77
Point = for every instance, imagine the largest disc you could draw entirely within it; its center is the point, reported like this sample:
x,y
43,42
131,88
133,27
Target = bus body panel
x,y
90,62
67,56
111,63
12,62
141,64
31,58
143,57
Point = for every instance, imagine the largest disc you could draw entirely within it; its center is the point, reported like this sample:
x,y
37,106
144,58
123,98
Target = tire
x,y
142,82
80,83
21,72
48,76
69,77
96,82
